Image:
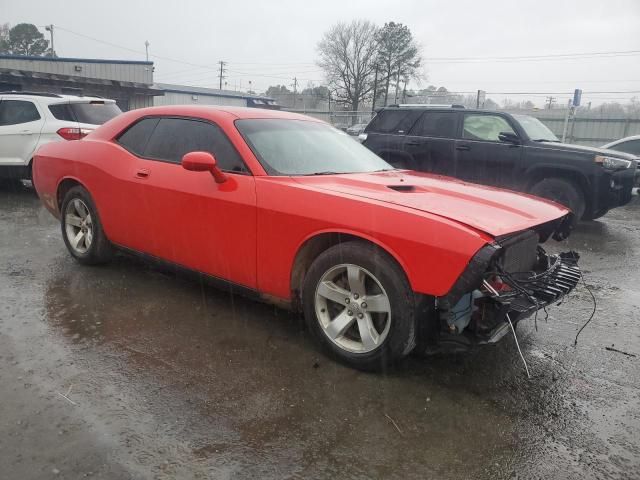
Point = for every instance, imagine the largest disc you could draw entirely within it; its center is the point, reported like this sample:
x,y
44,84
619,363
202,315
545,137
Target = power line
x,y
524,58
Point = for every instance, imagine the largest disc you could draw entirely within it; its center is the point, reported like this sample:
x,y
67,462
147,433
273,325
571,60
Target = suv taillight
x,y
73,133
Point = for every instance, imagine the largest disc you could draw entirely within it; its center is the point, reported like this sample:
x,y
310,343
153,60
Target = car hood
x,y
490,210
567,147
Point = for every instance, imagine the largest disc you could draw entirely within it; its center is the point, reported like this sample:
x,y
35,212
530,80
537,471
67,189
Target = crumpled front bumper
x,y
536,291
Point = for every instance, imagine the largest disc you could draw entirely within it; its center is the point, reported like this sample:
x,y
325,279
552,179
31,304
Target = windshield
x,y
535,129
299,147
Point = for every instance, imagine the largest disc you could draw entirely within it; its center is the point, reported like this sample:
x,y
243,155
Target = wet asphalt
x,y
131,371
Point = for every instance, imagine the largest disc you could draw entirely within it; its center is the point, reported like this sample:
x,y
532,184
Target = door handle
x,y
26,132
464,148
142,173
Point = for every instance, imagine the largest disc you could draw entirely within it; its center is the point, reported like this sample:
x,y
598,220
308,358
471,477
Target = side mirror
x,y
203,162
508,137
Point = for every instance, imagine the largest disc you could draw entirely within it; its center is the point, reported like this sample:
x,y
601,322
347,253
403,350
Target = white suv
x,y
28,120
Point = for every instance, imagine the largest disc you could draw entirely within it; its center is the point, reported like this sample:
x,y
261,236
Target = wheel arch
x,y
574,176
64,186
315,244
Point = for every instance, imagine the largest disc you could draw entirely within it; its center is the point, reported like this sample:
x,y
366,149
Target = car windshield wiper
x,y
545,140
325,173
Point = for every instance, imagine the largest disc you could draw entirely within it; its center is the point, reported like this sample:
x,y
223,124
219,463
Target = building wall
x,y
176,98
141,72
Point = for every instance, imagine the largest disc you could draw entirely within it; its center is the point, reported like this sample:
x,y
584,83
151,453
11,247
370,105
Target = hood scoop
x,y
403,188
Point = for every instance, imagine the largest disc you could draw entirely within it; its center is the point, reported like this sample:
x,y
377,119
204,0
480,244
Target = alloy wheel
x,y
78,225
353,308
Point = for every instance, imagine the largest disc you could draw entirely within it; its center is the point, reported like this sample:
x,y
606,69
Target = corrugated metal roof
x,y
213,92
70,59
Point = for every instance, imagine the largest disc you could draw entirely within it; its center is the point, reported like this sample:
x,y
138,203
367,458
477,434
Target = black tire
x,y
100,249
564,192
598,214
401,337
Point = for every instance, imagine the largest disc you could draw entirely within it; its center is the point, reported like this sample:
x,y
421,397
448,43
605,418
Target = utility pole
x,y
295,91
550,101
146,48
49,28
222,70
375,90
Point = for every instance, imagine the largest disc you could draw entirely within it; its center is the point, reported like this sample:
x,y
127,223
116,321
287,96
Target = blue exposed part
x,y
462,311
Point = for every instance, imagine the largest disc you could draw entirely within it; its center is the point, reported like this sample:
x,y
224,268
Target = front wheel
x,y
358,303
563,192
81,228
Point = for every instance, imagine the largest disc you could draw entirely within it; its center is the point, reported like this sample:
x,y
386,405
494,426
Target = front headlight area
x,y
612,163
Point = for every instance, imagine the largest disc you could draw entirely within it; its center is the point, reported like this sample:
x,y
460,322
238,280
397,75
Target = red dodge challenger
x,y
287,208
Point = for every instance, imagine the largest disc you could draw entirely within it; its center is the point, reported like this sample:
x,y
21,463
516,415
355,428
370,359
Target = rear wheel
x,y
359,305
81,228
564,192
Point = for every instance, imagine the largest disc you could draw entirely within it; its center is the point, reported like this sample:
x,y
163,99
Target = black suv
x,y
505,150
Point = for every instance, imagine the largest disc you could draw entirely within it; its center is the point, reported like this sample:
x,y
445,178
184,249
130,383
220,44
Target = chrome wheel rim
x,y
78,225
353,308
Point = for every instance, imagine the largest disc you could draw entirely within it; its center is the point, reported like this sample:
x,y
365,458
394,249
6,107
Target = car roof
x,y
55,97
440,108
236,112
622,140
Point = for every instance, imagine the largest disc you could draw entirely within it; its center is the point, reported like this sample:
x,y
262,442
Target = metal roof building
x,y
187,95
128,82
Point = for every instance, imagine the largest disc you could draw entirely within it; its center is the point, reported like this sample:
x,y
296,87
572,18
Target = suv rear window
x,y
393,121
94,113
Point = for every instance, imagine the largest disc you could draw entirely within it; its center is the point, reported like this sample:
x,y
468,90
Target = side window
x,y
393,121
62,111
436,124
174,137
14,112
136,137
631,146
484,127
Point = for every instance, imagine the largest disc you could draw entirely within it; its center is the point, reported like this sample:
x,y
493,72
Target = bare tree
x,y
399,56
348,56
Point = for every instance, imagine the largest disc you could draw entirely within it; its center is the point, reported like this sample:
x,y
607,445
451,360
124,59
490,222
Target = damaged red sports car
x,y
293,211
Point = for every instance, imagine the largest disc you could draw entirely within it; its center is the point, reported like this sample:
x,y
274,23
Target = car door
x,y
480,155
20,126
430,143
190,219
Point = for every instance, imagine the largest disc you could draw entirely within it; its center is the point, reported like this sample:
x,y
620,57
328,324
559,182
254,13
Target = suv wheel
x,y
81,228
564,192
359,305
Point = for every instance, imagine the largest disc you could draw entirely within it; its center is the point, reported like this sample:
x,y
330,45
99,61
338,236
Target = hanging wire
x,y
595,306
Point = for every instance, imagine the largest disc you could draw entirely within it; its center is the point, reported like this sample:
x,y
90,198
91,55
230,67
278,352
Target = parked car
x,y
507,150
628,145
285,208
28,120
356,129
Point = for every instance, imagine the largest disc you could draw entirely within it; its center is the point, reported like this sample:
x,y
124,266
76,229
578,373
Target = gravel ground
x,y
130,371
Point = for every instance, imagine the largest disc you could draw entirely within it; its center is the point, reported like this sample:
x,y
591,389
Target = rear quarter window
x,y
136,137
393,121
62,111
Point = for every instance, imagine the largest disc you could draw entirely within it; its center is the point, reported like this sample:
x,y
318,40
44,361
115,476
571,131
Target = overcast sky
x,y
270,42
